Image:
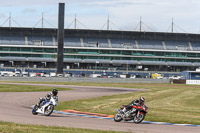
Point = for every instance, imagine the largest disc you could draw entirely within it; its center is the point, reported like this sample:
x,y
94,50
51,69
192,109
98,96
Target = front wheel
x,y
48,110
139,118
117,117
34,110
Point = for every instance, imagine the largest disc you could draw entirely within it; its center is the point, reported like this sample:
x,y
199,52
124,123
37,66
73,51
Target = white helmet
x,y
142,99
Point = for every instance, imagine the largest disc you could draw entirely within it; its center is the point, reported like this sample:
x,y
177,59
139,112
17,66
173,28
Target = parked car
x,y
135,76
52,74
95,75
17,74
175,77
4,73
25,74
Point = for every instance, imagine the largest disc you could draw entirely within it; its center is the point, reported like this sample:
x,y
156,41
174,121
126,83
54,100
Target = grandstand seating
x,y
153,62
150,44
72,60
179,63
100,42
122,43
72,42
125,61
101,49
40,59
90,60
96,42
97,61
177,45
103,61
12,40
196,64
195,46
40,40
13,58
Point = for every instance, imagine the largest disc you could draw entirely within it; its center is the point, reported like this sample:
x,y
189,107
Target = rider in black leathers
x,y
137,102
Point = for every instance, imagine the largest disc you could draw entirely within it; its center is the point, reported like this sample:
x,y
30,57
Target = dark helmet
x,y
54,92
142,99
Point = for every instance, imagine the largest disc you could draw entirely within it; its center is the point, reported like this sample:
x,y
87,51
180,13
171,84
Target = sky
x,y
155,15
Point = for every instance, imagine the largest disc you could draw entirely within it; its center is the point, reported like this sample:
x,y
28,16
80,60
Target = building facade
x,y
100,49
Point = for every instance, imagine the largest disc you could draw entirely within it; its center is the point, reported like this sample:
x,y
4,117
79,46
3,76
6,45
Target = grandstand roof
x,y
84,33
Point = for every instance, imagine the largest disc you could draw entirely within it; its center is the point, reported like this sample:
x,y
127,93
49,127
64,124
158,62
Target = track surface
x,y
15,107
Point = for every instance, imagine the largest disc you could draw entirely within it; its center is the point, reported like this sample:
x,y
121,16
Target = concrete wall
x,y
97,80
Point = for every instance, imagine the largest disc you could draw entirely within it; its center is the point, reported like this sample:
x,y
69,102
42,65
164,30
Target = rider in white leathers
x,y
48,96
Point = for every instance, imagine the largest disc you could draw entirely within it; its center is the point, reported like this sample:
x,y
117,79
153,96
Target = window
x,y
38,49
5,49
49,50
14,49
26,49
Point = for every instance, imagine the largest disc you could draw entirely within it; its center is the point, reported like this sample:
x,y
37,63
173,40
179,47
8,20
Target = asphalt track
x,y
15,107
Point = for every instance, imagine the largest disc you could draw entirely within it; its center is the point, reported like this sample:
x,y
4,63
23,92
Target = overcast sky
x,y
93,14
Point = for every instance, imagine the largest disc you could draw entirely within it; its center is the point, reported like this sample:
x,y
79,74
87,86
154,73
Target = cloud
x,y
29,10
124,13
2,15
108,4
14,3
114,3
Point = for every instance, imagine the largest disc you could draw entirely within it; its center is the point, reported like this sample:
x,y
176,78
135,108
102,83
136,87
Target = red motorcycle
x,y
136,113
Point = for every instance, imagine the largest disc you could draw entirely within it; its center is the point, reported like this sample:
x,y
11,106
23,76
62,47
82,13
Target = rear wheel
x,y
117,117
139,118
48,110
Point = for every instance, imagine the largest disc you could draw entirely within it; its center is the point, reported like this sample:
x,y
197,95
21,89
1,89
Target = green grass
x,y
166,102
26,88
7,127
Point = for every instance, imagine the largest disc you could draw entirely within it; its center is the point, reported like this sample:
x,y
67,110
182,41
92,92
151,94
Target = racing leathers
x,y
47,97
130,105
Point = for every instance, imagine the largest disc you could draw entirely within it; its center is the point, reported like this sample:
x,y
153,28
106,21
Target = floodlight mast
x,y
60,38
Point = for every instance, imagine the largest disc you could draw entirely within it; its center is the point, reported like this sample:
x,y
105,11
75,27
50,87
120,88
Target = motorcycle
x,y
46,107
136,113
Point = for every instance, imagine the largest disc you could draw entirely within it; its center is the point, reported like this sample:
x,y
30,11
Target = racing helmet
x,y
142,99
54,92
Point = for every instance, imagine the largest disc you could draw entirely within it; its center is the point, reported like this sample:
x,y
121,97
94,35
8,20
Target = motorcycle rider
x,y
48,96
136,102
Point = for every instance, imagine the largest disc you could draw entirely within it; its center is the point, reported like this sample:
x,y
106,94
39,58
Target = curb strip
x,y
144,122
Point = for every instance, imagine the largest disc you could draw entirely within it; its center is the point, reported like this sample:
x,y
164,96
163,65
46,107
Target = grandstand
x,y
100,49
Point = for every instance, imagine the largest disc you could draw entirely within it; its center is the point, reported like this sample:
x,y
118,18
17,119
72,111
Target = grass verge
x,y
26,88
166,102
7,127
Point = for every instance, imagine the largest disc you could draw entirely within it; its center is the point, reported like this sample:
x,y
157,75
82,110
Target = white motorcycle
x,y
46,107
